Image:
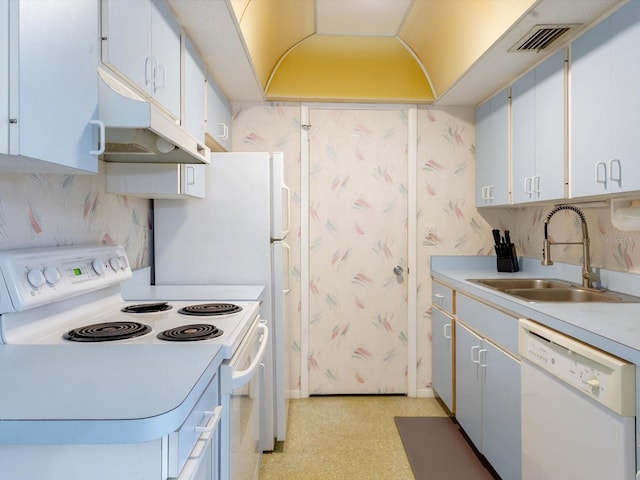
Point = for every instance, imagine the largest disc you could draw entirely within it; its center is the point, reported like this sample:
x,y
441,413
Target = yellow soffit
x,y
349,68
449,36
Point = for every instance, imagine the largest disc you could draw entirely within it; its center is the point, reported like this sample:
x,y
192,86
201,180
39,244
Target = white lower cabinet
x,y
488,400
442,354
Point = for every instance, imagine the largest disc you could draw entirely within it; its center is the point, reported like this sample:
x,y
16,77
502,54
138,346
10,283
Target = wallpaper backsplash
x,y
611,248
38,210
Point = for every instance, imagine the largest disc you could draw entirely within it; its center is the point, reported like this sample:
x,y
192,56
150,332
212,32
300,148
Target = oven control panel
x,y
34,277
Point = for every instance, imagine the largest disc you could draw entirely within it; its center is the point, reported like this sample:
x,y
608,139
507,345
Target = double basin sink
x,y
552,290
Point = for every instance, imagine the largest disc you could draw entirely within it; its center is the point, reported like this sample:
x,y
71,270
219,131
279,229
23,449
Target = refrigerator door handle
x,y
287,269
287,213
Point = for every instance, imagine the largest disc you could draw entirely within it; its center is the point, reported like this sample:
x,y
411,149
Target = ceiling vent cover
x,y
540,37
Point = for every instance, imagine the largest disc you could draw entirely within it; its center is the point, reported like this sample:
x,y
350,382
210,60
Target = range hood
x,y
137,130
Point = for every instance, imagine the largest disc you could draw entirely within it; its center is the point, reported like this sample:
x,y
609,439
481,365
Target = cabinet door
x,y
52,86
550,128
623,165
469,383
156,180
538,132
492,151
591,85
142,42
194,87
4,80
126,25
193,180
523,145
501,443
442,355
483,152
218,116
165,51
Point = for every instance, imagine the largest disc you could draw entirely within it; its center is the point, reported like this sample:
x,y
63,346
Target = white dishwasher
x,y
578,409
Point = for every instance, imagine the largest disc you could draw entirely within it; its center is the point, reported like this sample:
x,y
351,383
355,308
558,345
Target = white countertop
x,y
100,393
612,327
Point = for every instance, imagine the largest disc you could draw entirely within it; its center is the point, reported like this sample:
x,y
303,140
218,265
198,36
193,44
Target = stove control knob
x,y
52,275
35,278
98,266
115,263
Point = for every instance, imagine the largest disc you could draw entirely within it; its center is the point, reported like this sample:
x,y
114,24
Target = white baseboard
x,y
425,393
294,394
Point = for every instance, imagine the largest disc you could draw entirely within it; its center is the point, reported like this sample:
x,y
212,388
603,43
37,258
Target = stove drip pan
x,y
190,333
147,308
109,331
210,309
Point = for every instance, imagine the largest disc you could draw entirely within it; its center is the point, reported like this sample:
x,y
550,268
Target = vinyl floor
x,y
345,437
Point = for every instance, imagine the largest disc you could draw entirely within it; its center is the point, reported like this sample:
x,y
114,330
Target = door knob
x,y
398,270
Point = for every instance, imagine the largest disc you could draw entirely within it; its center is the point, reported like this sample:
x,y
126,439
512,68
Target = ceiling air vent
x,y
540,37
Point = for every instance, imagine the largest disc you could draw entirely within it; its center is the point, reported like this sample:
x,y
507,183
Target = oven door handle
x,y
238,379
211,425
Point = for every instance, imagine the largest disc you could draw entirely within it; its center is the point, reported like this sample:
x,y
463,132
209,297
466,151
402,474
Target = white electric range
x,y
148,394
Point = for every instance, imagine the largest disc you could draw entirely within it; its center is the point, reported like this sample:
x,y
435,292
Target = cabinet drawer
x,y
500,328
442,296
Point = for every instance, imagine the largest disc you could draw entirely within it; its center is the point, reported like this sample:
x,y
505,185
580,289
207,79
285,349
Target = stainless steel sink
x,y
566,294
519,283
552,290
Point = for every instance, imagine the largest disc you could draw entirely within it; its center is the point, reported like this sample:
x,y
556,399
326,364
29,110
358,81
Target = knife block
x,y
508,265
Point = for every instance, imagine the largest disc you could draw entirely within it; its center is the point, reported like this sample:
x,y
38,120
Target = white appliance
x,y
235,236
104,388
578,409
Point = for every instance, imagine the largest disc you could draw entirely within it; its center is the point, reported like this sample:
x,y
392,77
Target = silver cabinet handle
x,y
101,140
482,362
398,270
617,179
474,349
601,179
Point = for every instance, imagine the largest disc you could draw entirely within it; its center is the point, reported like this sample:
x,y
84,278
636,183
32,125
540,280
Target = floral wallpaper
x,y
38,210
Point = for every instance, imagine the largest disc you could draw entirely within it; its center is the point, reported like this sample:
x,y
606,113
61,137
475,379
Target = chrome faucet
x,y
587,275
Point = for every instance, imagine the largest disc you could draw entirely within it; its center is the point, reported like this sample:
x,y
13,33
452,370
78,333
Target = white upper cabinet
x,y
538,132
218,118
141,40
48,75
492,151
194,86
605,106
156,180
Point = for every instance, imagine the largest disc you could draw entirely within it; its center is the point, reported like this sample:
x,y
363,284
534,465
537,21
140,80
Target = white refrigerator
x,y
236,236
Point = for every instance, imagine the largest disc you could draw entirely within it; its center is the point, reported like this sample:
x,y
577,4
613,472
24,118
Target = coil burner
x,y
147,308
109,331
210,309
190,333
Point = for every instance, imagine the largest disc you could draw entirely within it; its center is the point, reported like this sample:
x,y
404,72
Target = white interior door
x,y
358,240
